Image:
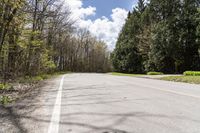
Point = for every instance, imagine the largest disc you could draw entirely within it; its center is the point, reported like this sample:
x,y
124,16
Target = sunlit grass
x,y
125,74
155,73
186,79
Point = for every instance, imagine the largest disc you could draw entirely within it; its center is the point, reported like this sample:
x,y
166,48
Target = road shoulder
x,y
31,113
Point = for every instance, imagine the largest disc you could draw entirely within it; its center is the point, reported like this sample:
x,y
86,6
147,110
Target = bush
x,y
2,86
155,73
28,79
5,100
37,78
191,73
45,76
5,87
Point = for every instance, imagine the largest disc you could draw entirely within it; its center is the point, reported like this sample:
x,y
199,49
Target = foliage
x,y
29,80
155,73
36,79
192,73
33,79
5,100
5,87
126,57
160,36
38,37
45,76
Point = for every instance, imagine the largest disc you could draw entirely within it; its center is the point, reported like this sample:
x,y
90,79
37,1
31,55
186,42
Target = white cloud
x,y
108,30
78,12
84,12
103,28
74,4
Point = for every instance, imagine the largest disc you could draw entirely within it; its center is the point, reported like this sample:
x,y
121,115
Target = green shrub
x,y
37,78
2,86
5,100
23,80
28,79
192,73
5,87
45,76
155,73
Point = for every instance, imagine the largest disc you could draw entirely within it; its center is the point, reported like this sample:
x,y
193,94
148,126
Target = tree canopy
x,y
38,36
159,36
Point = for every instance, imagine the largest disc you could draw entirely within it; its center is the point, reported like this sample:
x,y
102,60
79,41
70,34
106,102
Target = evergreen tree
x,y
126,57
141,6
188,36
164,52
160,36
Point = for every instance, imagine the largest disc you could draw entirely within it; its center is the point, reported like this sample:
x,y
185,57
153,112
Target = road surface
x,y
101,103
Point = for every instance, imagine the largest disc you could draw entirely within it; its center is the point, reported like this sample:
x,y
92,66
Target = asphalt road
x,y
101,103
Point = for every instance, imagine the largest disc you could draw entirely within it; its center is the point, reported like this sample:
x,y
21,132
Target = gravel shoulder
x,y
32,112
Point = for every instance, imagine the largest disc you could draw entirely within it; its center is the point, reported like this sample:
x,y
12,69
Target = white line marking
x,y
55,118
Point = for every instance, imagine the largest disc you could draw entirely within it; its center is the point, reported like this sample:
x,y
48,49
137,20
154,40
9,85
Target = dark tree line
x,y
38,36
160,36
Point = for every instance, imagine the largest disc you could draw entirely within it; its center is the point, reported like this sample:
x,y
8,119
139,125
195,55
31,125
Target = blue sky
x,y
103,18
104,7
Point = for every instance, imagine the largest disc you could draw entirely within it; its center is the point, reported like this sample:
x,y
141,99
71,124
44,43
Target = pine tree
x,y
188,36
160,36
141,6
126,57
164,52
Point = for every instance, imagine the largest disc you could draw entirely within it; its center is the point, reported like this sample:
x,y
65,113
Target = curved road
x,y
101,103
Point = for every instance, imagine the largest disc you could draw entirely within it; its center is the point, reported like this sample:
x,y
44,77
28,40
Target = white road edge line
x,y
55,118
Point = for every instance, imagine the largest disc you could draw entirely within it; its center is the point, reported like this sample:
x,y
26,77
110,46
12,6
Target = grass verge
x,y
185,79
155,73
125,74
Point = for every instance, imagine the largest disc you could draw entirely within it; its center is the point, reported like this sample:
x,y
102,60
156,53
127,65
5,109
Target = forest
x,y
160,35
39,36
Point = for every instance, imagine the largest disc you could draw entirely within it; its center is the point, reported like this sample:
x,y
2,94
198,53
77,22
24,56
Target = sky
x,y
103,18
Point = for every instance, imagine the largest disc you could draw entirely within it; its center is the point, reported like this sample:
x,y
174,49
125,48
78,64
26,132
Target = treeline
x,y
38,36
160,35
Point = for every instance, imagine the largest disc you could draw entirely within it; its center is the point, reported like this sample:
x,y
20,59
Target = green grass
x,y
186,79
155,73
125,74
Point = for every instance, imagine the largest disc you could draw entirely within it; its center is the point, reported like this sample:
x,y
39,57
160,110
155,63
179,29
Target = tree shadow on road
x,y
13,114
